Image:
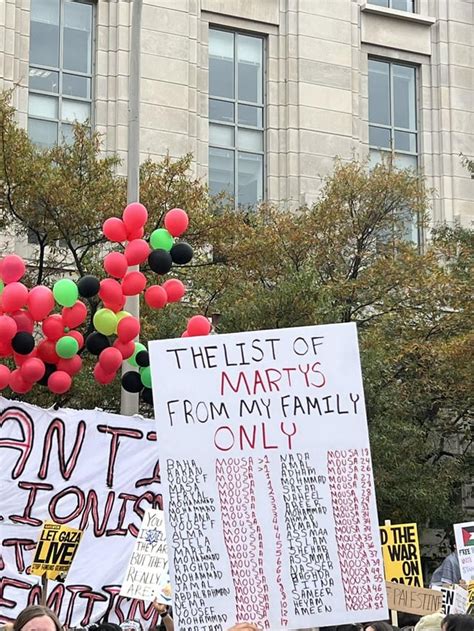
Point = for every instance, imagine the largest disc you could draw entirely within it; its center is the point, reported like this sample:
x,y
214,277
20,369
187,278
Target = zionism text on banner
x,y
267,479
464,534
86,469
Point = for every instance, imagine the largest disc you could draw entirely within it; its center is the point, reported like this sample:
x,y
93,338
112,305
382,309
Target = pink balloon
x,y
59,382
115,264
137,251
110,291
110,360
40,302
175,289
53,327
114,229
14,296
135,234
32,370
24,321
127,329
77,335
135,216
185,334
133,284
126,348
198,325
13,268
8,328
176,222
4,376
72,365
74,316
17,382
101,376
156,297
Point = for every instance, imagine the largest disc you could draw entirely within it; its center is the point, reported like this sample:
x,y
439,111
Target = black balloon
x,y
96,343
50,368
181,253
147,396
131,382
88,286
143,359
23,343
160,261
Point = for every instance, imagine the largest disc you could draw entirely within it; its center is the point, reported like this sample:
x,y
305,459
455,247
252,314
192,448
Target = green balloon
x,y
65,292
145,376
161,239
2,286
67,347
105,321
133,359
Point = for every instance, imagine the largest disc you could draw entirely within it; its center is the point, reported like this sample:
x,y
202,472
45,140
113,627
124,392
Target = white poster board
x,y
464,534
149,560
267,479
455,599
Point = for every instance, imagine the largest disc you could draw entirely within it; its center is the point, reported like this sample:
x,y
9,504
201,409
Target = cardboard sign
x,y
55,551
464,534
415,600
267,479
401,554
149,560
454,599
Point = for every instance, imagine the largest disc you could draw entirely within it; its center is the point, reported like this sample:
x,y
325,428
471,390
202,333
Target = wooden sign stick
x,y
44,589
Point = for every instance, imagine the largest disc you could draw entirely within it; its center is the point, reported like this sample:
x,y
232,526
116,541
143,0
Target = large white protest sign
x,y
464,534
87,469
267,479
149,560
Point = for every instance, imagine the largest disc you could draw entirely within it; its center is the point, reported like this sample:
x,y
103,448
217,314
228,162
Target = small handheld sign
x,y
55,551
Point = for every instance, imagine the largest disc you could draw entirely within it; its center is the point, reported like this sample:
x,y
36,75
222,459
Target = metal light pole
x,y
129,400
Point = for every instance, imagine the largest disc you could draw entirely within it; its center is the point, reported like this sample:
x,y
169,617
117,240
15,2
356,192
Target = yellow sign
x,y
55,551
415,600
401,554
470,598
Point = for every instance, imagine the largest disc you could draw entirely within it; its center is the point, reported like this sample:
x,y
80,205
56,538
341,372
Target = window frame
x,y
235,125
59,95
413,10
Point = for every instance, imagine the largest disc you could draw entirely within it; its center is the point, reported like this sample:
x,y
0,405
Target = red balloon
x,y
101,376
198,325
135,216
77,335
137,251
126,348
133,284
17,382
128,328
156,297
72,365
14,296
8,328
175,289
13,268
176,222
110,291
24,321
53,327
6,349
110,360
59,382
40,302
47,352
135,234
115,264
33,370
185,334
20,359
114,229
116,306
74,316
4,376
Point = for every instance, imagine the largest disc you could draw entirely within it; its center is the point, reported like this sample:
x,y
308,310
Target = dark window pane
x,y
250,77
45,80
73,85
44,33
221,171
221,111
77,45
379,92
250,179
221,64
379,137
249,115
43,133
404,99
405,141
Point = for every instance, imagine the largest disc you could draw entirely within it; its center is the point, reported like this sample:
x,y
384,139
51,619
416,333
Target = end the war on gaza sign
x,y
267,479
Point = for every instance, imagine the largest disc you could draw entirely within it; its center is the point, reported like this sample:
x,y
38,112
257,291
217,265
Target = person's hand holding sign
x,y
164,612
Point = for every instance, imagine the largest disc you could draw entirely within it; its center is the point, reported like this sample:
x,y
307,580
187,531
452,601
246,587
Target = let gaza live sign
x,y
464,534
55,551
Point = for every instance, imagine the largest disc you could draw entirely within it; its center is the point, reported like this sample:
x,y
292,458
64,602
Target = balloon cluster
x,y
39,326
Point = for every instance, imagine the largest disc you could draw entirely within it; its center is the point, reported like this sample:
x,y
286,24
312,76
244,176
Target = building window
x,y
60,73
236,116
400,5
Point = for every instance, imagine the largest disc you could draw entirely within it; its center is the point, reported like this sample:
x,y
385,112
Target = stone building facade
x,y
309,80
